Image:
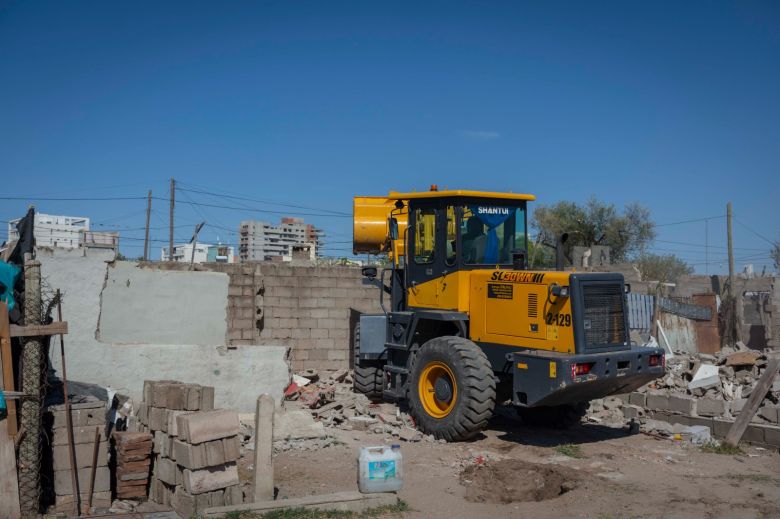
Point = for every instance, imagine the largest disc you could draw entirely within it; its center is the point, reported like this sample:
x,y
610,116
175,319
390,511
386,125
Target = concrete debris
x,y
697,385
332,403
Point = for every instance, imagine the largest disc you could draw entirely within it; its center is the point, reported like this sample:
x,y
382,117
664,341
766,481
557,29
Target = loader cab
x,y
448,236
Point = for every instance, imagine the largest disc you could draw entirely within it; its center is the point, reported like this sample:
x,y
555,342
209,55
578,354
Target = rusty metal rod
x,y
94,468
74,477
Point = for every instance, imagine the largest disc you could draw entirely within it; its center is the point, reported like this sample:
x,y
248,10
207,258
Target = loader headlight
x,y
559,291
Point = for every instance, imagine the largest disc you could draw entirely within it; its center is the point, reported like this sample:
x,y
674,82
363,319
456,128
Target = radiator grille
x,y
533,306
604,320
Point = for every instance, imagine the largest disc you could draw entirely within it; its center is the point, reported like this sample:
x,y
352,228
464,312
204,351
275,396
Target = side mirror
x,y
393,225
368,272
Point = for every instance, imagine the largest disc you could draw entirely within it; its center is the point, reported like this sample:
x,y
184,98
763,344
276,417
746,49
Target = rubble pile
x,y
89,425
711,386
195,447
332,402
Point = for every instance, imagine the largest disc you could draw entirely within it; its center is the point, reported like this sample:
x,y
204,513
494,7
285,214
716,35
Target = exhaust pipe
x,y
559,257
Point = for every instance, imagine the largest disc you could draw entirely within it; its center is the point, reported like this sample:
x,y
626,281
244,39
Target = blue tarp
x,y
8,275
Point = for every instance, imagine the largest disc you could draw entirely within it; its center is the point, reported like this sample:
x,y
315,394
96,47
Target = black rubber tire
x,y
559,416
368,374
476,388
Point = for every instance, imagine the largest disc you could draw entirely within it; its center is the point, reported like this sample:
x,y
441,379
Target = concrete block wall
x,y
312,310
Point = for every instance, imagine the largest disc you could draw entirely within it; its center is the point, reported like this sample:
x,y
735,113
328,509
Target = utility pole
x,y
731,250
148,215
170,217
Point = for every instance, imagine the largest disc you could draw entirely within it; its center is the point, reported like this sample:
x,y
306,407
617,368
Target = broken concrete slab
x,y
296,425
342,501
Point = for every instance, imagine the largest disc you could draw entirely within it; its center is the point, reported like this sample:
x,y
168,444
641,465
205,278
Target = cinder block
x,y
710,407
171,425
82,415
80,435
636,398
682,404
770,412
193,397
206,398
177,396
165,470
233,495
772,436
158,418
189,456
63,486
84,453
657,401
210,479
64,504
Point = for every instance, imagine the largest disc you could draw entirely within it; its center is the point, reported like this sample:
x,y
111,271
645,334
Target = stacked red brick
x,y
197,469
133,461
86,418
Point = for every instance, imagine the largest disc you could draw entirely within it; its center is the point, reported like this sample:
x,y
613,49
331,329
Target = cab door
x,y
426,253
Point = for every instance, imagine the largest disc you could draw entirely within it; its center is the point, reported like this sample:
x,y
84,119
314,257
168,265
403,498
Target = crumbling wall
x,y
148,306
239,376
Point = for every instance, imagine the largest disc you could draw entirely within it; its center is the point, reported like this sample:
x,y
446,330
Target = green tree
x,y
666,269
627,233
775,253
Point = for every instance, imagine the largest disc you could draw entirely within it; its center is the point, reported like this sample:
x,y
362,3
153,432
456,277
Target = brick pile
x,y
133,461
195,447
86,418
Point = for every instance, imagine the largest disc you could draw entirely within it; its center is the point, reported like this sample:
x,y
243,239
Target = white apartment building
x,y
262,241
204,252
66,232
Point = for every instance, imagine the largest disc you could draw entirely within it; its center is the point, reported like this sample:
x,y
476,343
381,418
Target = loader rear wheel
x,y
369,374
560,416
452,390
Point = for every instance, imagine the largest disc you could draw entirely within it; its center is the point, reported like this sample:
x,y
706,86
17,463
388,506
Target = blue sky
x,y
671,104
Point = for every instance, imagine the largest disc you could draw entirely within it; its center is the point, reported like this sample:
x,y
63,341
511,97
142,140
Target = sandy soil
x,y
619,475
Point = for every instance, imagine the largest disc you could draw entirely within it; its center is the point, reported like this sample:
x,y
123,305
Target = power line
x,y
73,199
272,202
773,243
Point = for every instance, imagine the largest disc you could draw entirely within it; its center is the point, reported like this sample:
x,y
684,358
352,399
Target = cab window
x,y
452,233
424,235
489,233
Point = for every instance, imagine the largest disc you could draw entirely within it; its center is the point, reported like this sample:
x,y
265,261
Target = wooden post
x,y
754,402
263,479
170,220
9,484
148,216
6,361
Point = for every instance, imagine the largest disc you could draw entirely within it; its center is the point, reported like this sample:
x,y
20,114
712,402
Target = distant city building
x,y
65,232
204,253
291,239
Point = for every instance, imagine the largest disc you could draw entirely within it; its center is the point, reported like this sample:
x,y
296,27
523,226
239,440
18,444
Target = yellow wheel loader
x,y
465,324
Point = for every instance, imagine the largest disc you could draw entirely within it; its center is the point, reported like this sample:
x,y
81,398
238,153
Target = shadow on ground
x,y
513,430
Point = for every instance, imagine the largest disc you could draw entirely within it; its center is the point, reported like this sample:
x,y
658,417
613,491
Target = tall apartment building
x,y
65,232
261,241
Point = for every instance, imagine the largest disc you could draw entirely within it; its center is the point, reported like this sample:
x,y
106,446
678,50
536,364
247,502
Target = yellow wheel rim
x,y
431,374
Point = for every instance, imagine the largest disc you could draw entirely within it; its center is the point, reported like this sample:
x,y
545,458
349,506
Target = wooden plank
x,y
9,484
39,330
754,402
7,365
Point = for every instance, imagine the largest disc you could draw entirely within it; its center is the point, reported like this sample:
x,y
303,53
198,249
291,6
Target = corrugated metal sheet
x,y
640,312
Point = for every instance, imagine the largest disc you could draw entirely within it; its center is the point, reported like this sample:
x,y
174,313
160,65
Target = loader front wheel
x,y
369,374
452,389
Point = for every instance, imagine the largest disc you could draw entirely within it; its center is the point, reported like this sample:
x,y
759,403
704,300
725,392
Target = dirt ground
x,y
618,475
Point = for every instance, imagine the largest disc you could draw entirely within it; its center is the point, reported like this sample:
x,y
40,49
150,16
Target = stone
x,y
697,434
361,423
352,501
710,407
743,358
296,425
203,426
210,479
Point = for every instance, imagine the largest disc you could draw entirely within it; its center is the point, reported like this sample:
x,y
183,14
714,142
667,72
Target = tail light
x,y
655,360
578,370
